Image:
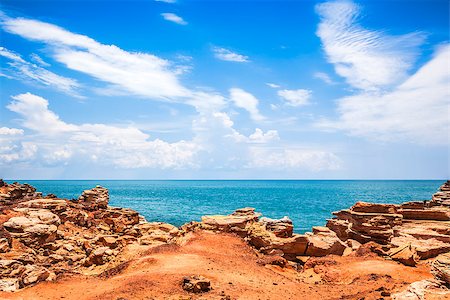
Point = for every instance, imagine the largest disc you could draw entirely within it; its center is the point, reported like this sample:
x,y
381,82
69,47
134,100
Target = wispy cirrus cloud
x,y
415,111
367,59
21,69
324,77
171,17
228,55
139,74
273,85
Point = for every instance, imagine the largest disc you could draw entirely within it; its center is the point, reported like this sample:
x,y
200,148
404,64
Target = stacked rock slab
x,y
365,222
420,229
275,236
443,196
42,237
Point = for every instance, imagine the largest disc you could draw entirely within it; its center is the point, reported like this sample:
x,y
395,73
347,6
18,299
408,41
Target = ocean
x,y
307,202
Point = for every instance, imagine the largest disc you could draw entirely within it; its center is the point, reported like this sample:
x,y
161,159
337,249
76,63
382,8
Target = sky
x,y
178,89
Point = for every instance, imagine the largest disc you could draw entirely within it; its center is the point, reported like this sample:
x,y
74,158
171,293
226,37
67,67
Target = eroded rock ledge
x,y
43,237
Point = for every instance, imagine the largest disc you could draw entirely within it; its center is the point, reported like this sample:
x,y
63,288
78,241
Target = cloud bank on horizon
x,y
161,102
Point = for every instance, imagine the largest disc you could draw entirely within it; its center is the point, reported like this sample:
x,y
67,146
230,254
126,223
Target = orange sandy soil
x,y
232,266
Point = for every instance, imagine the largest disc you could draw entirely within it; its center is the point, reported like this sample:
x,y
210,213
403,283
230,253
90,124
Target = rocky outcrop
x,y
43,237
442,198
423,227
365,222
95,198
9,193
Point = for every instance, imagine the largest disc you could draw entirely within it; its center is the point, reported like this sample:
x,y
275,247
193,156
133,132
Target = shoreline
x,y
103,239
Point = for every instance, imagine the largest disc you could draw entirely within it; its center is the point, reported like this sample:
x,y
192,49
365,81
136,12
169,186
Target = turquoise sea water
x,y
307,203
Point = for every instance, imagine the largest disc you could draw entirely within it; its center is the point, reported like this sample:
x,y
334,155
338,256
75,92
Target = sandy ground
x,y
232,266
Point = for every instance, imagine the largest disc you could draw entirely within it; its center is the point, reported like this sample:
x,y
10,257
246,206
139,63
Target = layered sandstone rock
x,y
421,226
44,237
41,238
365,222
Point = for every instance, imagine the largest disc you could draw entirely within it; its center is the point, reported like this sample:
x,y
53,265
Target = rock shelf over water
x,y
43,238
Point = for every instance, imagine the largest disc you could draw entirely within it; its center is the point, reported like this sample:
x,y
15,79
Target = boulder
x,y
323,242
280,227
196,284
33,274
108,241
420,290
99,256
440,268
405,254
9,284
38,226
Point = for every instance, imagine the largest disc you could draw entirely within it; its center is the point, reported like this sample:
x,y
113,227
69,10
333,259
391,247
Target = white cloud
x,y
228,55
216,145
126,147
37,59
174,18
260,137
298,97
324,77
167,1
37,116
139,74
416,111
279,159
21,69
246,101
10,131
273,85
367,59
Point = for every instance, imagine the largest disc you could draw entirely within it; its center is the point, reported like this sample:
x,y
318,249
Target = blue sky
x,y
224,89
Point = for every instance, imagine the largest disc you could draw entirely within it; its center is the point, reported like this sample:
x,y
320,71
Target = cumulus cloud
x,y
167,1
260,137
19,68
171,17
228,55
415,111
10,131
125,147
367,59
298,97
138,74
246,101
216,144
36,114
